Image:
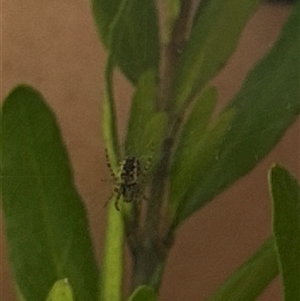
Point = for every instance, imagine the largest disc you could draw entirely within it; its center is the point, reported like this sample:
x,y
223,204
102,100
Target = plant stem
x,y
170,57
171,53
111,278
150,255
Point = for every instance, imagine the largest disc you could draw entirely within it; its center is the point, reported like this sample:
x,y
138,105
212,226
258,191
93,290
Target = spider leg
x,y
111,196
116,192
117,203
145,198
140,198
149,160
106,203
139,195
114,176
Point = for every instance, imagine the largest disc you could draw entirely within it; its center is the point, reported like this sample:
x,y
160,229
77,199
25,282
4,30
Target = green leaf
x,y
191,142
144,135
215,33
104,14
170,14
141,111
251,278
285,193
143,293
45,221
134,38
183,183
61,291
262,110
129,29
145,126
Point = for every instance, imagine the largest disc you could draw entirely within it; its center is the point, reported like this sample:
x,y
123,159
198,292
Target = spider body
x,y
130,173
130,170
130,180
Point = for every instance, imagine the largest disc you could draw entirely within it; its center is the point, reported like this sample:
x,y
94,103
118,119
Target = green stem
x,y
111,277
112,265
109,123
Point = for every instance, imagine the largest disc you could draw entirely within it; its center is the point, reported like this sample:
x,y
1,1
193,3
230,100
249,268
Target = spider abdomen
x,y
130,171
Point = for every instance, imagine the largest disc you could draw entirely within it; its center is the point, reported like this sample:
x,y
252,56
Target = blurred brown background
x,y
53,46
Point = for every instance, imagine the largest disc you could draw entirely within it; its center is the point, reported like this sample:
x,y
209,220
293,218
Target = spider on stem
x,y
131,178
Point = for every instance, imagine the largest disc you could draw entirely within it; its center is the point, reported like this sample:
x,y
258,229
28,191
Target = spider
x,y
130,180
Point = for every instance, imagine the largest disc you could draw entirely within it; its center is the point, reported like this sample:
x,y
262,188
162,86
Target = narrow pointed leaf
x,y
215,33
129,29
251,278
170,13
45,221
61,291
197,166
191,142
104,13
263,109
143,293
141,111
285,193
145,126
